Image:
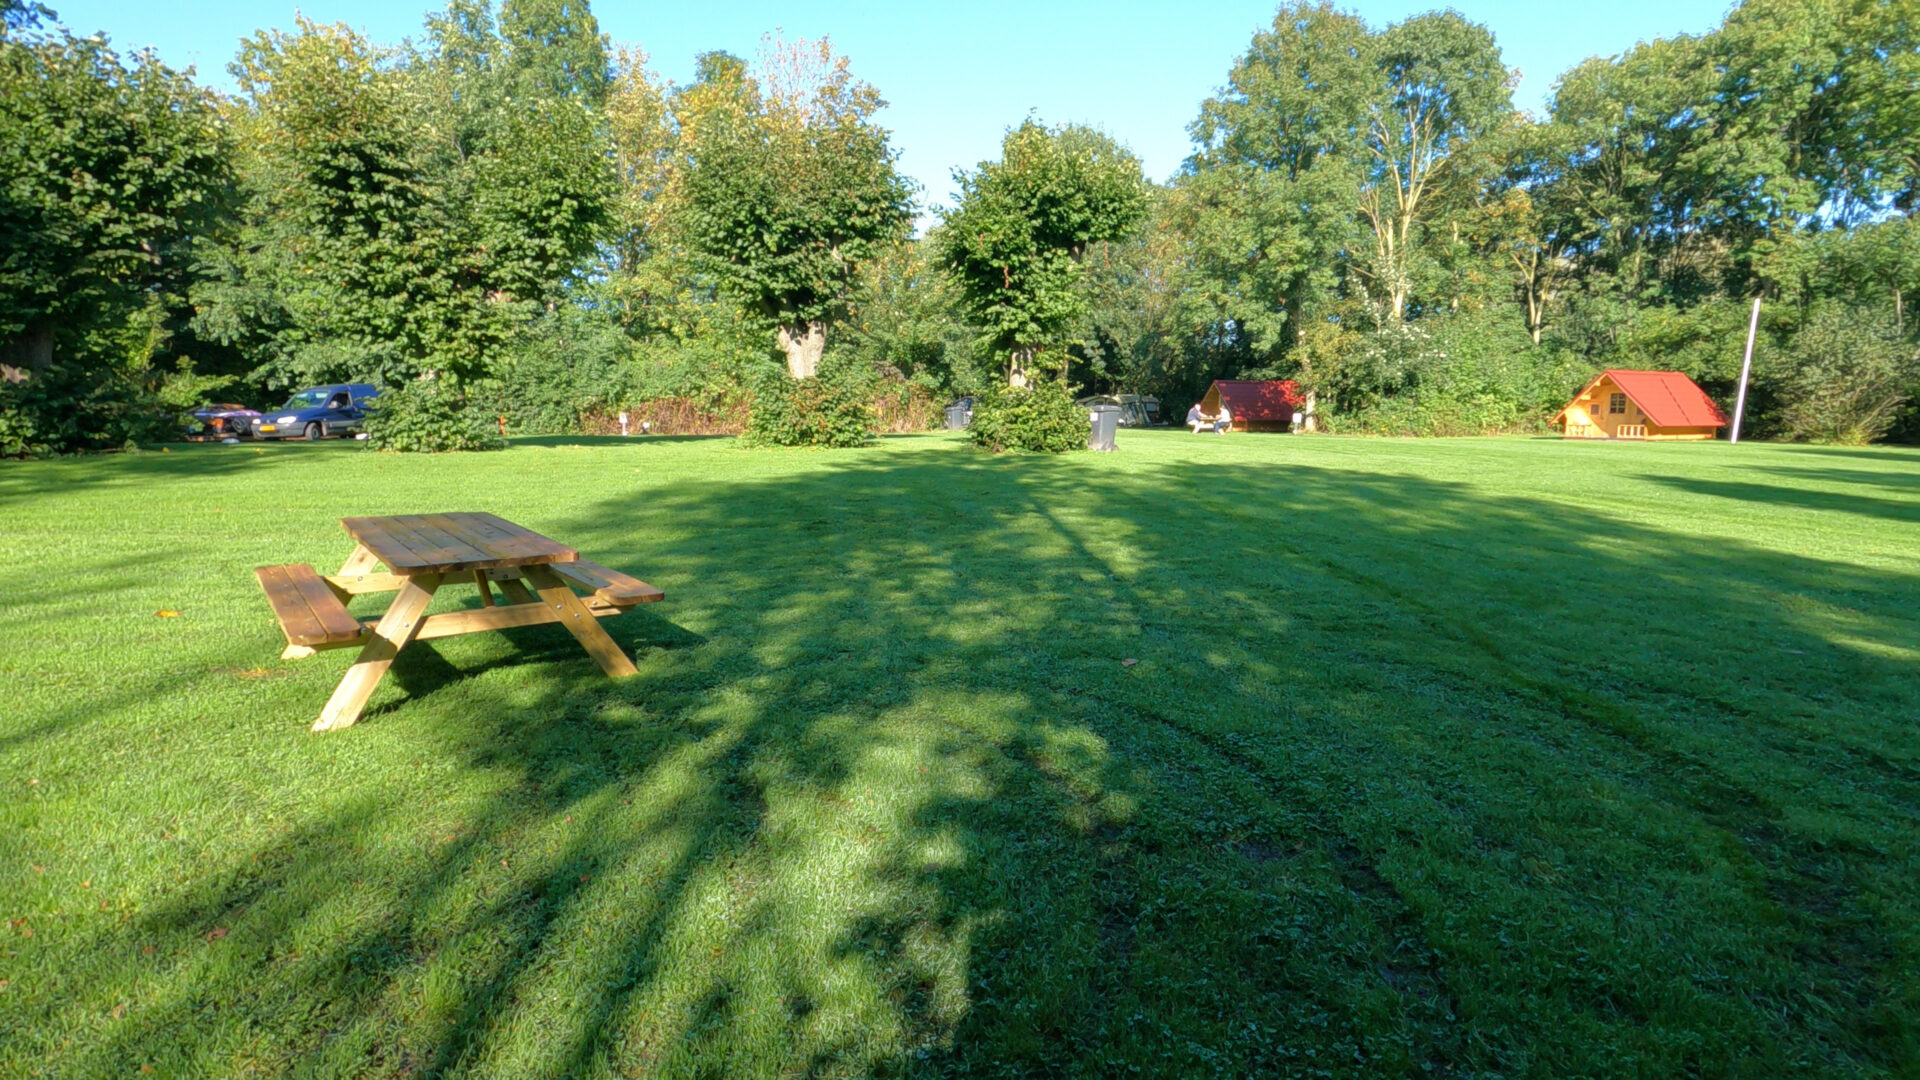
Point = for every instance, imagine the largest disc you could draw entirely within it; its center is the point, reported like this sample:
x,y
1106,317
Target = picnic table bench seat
x,y
612,586
309,612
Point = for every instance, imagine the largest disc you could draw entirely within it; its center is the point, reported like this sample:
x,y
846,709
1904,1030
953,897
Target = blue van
x,y
317,412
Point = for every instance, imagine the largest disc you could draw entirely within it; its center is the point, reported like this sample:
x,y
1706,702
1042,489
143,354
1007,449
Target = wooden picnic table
x,y
422,552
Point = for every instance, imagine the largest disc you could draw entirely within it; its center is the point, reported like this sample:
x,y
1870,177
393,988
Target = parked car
x,y
318,412
221,420
1136,410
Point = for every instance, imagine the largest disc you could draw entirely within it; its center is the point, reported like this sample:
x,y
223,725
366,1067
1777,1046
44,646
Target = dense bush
x,y
1469,374
566,365
901,405
427,417
70,409
669,416
821,411
1848,376
1042,419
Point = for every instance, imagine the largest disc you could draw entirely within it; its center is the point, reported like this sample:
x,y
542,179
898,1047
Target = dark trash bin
x,y
1102,421
959,415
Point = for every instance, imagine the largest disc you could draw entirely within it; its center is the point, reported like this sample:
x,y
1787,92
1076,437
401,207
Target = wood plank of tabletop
x,y
508,544
375,535
533,541
497,536
402,548
450,543
441,547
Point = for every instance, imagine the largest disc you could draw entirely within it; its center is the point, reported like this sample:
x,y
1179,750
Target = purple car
x,y
235,420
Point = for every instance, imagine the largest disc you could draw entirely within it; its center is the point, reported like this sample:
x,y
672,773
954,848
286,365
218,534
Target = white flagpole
x,y
1746,369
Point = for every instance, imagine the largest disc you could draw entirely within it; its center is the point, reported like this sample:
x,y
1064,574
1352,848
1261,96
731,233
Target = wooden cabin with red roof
x,y
1255,405
1651,405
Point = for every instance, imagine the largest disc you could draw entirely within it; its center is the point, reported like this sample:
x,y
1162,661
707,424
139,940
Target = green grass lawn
x,y
1453,758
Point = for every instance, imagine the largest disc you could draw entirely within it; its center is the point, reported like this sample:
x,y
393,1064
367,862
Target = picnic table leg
x,y
396,628
579,621
512,587
361,561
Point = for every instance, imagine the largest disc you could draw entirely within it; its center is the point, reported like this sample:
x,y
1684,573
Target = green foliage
x,y
1350,180
1041,418
789,188
833,410
1326,174
511,212
1848,376
1297,100
389,233
1015,242
1470,374
429,417
903,320
18,15
1154,313
554,50
574,363
109,170
70,409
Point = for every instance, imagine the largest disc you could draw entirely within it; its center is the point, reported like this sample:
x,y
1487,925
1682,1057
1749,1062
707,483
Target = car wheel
x,y
313,431
237,427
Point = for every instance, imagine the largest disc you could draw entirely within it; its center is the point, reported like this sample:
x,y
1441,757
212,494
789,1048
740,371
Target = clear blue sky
x,y
957,76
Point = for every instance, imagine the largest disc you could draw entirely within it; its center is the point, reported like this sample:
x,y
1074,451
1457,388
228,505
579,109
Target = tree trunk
x,y
803,343
1017,364
1309,424
31,350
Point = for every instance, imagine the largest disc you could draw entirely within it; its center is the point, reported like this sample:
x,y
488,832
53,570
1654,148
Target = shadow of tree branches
x,y
981,767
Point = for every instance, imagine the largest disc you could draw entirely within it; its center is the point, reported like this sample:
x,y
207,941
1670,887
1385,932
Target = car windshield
x,y
306,399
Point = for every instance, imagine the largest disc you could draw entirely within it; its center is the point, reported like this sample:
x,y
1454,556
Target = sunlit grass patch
x,y
1242,756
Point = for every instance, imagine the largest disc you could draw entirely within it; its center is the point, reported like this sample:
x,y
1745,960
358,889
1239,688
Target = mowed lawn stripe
x,y
1464,757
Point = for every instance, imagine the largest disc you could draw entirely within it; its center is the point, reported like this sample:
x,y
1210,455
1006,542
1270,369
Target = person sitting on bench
x,y
1197,419
1224,422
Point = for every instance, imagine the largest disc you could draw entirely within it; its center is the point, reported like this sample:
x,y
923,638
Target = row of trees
x,y
1367,211
503,217
510,218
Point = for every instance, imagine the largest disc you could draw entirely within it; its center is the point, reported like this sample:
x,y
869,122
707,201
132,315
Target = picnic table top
x,y
450,543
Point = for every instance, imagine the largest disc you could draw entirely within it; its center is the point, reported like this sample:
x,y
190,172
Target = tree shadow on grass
x,y
1884,452
187,461
1891,509
635,441
1905,482
1405,779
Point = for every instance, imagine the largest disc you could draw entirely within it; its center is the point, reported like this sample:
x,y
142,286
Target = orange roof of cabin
x,y
1259,399
1669,398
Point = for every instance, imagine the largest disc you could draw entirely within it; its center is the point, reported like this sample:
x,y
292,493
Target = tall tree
x,y
554,48
388,234
1526,218
1267,202
788,186
18,15
1023,225
109,169
1443,86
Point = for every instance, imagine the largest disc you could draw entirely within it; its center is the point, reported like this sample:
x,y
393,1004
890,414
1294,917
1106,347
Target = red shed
x,y
1256,405
1656,405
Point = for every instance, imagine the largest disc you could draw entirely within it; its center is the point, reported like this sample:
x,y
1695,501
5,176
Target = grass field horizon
x,y
1475,757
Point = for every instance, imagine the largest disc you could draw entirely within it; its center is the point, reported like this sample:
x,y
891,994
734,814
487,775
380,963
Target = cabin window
x,y
1617,404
